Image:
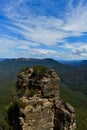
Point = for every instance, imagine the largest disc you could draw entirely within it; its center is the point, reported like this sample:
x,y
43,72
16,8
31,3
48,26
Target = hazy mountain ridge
x,y
74,63
10,67
74,77
2,59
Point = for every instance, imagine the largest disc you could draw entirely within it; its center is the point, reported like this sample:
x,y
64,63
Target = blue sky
x,y
43,29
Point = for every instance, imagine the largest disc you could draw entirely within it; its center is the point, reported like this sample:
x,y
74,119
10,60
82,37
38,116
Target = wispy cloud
x,y
18,48
76,18
31,26
77,50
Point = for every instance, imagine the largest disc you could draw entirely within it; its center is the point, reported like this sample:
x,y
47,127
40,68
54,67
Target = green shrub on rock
x,y
40,70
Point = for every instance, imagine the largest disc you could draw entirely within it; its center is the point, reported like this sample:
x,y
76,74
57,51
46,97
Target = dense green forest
x,y
79,101
72,78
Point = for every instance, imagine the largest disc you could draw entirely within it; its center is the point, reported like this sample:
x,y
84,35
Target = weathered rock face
x,y
38,104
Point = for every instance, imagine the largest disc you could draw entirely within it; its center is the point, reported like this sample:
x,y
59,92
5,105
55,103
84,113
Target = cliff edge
x,y
37,105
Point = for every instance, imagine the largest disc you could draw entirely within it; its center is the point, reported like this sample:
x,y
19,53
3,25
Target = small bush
x,y
31,93
21,92
20,103
40,70
25,69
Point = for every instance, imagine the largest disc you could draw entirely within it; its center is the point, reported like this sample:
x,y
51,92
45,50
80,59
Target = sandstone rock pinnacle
x,y
38,105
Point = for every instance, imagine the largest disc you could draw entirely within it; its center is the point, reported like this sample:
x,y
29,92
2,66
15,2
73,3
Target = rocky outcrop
x,y
38,105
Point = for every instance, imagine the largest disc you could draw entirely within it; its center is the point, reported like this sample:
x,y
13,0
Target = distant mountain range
x,y
9,68
1,59
73,75
75,62
66,62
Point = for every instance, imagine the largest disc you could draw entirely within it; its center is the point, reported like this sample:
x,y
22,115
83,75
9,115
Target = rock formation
x,y
37,105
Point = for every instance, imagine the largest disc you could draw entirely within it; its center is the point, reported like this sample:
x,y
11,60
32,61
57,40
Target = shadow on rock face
x,y
13,117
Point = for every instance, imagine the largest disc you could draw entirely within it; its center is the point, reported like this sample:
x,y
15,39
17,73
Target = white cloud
x,y
76,46
48,31
76,18
19,48
76,50
43,30
15,48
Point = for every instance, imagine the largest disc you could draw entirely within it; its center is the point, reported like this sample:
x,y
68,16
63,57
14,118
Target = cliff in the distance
x,y
37,105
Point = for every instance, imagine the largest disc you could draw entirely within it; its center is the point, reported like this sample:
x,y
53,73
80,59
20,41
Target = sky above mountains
x,y
43,29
